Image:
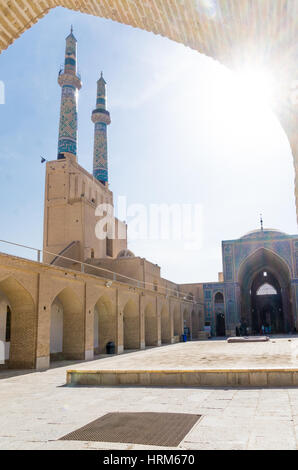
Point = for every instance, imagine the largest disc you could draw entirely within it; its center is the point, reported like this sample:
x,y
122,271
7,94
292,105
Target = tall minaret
x,y
70,84
101,118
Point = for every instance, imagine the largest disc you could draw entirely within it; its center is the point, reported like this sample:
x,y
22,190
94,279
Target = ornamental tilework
x,y
70,83
67,145
208,294
246,247
68,120
283,249
210,307
231,311
100,167
101,118
228,260
242,251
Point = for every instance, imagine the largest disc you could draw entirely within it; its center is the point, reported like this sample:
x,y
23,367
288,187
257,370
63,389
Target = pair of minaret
x,y
70,83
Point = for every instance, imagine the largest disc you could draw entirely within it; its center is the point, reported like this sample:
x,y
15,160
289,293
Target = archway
x,y
165,325
5,329
56,330
104,324
264,267
131,326
219,309
220,324
67,327
266,302
151,330
18,324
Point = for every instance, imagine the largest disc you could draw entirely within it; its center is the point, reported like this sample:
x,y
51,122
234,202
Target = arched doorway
x,y
266,303
18,325
67,327
5,329
220,325
104,324
219,306
266,294
56,331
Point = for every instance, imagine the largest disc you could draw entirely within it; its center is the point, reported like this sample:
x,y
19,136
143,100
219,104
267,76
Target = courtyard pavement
x,y
37,408
279,352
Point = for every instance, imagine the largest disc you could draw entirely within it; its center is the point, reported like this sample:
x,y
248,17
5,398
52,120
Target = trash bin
x,y
110,347
183,338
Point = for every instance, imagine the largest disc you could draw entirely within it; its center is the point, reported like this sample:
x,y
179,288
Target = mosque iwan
x,y
89,294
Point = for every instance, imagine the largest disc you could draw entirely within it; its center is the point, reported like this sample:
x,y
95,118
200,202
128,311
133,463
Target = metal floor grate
x,y
156,429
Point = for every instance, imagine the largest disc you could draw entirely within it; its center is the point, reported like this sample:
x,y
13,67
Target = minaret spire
x,y
261,222
101,118
70,83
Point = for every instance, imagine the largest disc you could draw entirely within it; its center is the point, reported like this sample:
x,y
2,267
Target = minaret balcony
x,y
101,115
69,79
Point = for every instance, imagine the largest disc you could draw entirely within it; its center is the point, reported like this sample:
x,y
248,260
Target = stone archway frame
x,y
73,323
94,293
23,323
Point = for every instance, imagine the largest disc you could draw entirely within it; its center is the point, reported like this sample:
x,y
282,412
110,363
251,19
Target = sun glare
x,y
240,103
256,86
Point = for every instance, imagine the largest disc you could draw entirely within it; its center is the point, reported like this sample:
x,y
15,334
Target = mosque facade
x,y
258,285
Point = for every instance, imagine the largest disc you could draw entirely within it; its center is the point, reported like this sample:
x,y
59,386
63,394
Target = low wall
x,y
185,378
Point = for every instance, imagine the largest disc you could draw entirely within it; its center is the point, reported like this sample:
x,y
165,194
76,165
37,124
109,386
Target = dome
x,y
125,254
267,232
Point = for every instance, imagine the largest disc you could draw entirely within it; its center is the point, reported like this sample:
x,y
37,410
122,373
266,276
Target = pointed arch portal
x,y
266,293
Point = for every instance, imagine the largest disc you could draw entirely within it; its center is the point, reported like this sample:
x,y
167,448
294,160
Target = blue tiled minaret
x,y
101,119
70,84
